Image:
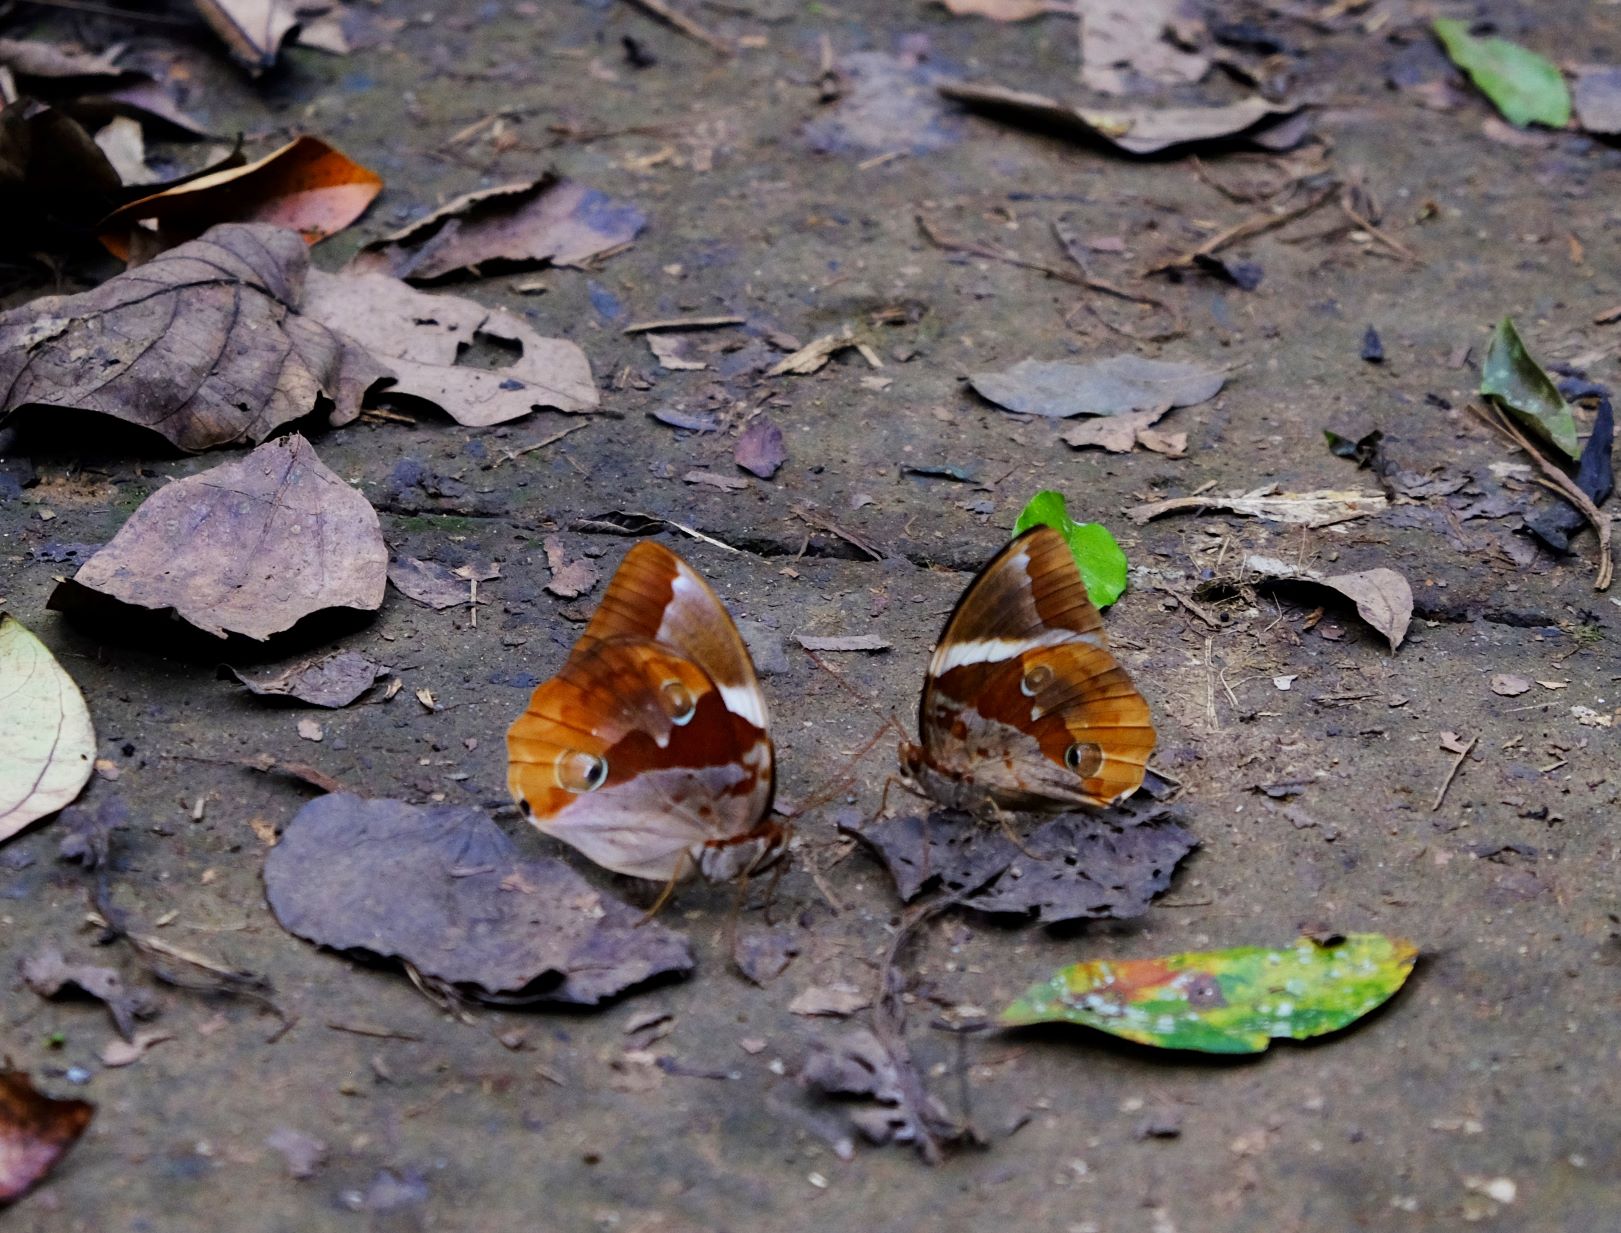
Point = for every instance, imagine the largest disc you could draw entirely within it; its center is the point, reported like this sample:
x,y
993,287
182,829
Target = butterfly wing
x,y
656,595
1024,705
632,755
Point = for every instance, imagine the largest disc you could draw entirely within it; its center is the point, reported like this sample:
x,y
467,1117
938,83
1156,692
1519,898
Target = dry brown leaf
x,y
760,450
1318,508
203,345
253,30
420,336
251,547
813,355
1006,10
835,1001
1134,130
549,220
124,144
1112,386
843,642
35,1131
47,745
54,179
328,680
726,483
118,1053
1123,41
50,975
673,351
570,579
1383,597
1507,685
311,730
306,186
429,583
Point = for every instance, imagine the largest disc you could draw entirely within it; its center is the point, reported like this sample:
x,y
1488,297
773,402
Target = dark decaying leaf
x,y
549,220
1245,275
204,345
857,1067
420,338
305,186
1132,130
1373,347
1080,866
1595,473
327,680
35,1131
54,180
760,450
50,975
251,547
1111,386
459,903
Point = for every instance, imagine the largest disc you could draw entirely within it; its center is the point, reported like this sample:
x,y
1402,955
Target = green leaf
x,y
1102,564
1224,1001
1525,87
1516,382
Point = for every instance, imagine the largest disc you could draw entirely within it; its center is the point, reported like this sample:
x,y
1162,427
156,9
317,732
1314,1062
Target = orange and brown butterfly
x,y
1024,709
649,750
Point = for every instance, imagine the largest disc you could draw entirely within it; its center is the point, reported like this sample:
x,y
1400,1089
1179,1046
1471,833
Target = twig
x,y
992,253
378,1033
822,522
682,323
1560,483
510,455
1072,250
1254,226
1368,225
683,23
1453,773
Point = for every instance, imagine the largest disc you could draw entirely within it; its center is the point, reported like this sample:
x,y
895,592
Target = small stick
x,y
1257,225
1453,773
509,455
991,253
683,23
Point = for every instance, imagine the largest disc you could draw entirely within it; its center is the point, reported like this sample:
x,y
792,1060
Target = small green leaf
x,y
1525,87
1224,1001
1102,564
1517,383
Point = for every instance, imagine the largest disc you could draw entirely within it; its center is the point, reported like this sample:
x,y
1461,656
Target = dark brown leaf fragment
x,y
460,904
760,450
35,1131
204,344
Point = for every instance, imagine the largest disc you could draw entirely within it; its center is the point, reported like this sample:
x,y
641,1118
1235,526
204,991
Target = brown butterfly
x,y
1024,708
648,751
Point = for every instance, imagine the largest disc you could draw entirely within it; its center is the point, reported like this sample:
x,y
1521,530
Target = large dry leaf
x,y
204,344
330,680
460,904
1134,130
1109,386
1383,597
1319,508
1074,867
34,1132
253,30
549,220
47,746
250,547
420,337
305,186
1123,41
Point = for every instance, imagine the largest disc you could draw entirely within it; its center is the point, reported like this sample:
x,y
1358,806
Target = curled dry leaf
x,y
461,905
204,345
760,450
306,186
1383,597
35,1131
250,547
54,179
550,220
1318,508
50,975
420,338
1113,386
252,30
570,579
328,680
1133,130
47,745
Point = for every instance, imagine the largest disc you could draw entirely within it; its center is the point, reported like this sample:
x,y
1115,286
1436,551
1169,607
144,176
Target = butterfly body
x,y
1024,708
649,750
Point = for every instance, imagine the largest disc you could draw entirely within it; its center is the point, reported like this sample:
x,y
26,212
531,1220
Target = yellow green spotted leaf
x,y
1224,1001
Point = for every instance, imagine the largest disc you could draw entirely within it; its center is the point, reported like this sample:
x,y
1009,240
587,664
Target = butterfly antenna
x,y
889,720
834,787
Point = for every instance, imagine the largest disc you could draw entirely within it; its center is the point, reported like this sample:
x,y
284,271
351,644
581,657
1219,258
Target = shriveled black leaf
x,y
250,547
1595,473
328,680
459,903
1074,867
204,344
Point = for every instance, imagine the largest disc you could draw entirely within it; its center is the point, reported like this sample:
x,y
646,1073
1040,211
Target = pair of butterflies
x,y
650,752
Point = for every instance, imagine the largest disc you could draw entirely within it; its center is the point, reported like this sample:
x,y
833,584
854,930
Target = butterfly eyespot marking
x,y
581,772
1084,758
1036,680
679,704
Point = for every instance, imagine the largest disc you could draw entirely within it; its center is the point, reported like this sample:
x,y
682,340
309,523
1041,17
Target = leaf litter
x,y
204,345
35,1132
1383,597
249,547
50,975
327,680
1112,386
1322,507
462,906
47,743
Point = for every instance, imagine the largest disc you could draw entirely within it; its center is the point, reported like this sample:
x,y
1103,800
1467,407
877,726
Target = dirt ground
x,y
1498,1061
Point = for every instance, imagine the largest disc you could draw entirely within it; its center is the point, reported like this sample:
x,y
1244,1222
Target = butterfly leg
x,y
669,889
